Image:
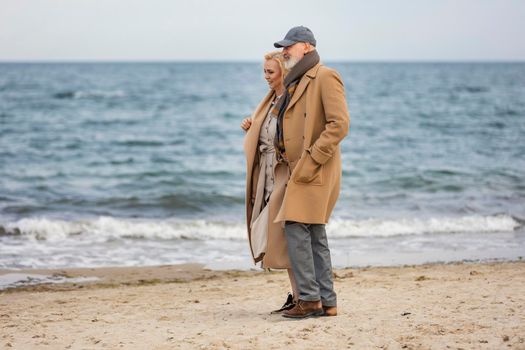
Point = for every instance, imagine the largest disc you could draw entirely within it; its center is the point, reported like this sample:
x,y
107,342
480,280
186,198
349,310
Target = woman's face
x,y
272,74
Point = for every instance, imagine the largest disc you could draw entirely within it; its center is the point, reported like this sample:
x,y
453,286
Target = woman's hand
x,y
246,123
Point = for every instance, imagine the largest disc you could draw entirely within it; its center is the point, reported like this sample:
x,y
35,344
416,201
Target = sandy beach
x,y
435,306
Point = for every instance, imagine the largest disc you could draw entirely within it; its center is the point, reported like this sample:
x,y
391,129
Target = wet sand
x,y
434,306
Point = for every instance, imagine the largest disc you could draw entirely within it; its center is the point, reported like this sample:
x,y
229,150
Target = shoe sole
x,y
328,315
310,314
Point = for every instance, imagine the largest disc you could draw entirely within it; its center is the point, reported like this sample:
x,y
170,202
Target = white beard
x,y
290,63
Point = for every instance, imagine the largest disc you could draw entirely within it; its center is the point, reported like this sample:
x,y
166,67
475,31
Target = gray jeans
x,y
311,264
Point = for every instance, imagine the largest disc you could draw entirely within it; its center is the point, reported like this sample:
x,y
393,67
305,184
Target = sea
x,y
141,163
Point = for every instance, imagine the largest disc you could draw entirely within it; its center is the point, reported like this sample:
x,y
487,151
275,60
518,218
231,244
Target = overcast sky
x,y
34,30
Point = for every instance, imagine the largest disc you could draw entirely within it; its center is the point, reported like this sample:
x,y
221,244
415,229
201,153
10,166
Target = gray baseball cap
x,y
296,35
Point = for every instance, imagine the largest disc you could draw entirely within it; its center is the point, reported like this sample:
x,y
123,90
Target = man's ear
x,y
308,47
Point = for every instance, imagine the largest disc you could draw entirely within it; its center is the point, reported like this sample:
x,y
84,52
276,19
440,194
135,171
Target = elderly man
x,y
312,120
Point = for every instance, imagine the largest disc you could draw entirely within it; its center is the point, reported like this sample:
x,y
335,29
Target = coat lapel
x,y
299,91
309,75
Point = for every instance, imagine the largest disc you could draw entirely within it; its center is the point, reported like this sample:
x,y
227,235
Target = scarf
x,y
290,84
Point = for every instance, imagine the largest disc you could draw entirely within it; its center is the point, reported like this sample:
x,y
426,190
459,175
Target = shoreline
x,y
114,276
455,305
63,279
221,244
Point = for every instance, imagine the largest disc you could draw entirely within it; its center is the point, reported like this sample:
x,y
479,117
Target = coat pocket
x,y
308,171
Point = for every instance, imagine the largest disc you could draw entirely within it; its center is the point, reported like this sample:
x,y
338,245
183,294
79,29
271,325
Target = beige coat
x,y
315,122
276,250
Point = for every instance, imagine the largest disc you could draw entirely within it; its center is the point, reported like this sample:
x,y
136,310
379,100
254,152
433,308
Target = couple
x,y
294,171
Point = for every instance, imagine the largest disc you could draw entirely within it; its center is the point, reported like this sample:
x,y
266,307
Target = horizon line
x,y
88,61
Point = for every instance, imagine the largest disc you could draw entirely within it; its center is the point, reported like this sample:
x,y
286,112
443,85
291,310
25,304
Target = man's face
x,y
293,54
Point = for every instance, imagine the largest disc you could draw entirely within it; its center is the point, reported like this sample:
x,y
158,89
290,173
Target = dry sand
x,y
437,306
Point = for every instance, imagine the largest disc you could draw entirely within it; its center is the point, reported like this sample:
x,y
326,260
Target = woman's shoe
x,y
288,305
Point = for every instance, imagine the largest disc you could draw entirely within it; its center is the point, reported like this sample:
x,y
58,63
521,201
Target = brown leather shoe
x,y
330,310
305,309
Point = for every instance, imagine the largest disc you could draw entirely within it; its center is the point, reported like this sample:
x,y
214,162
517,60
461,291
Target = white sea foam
x,y
109,227
104,228
414,226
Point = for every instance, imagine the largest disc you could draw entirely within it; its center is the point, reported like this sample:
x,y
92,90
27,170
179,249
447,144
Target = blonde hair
x,y
279,58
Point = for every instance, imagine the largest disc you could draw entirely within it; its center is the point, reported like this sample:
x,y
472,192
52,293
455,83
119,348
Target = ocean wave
x,y
88,94
414,226
140,143
106,228
472,89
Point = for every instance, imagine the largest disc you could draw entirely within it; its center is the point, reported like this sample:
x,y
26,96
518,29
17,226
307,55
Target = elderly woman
x,y
266,179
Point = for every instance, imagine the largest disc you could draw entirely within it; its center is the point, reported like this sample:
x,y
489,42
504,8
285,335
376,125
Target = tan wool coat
x,y
315,122
276,255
